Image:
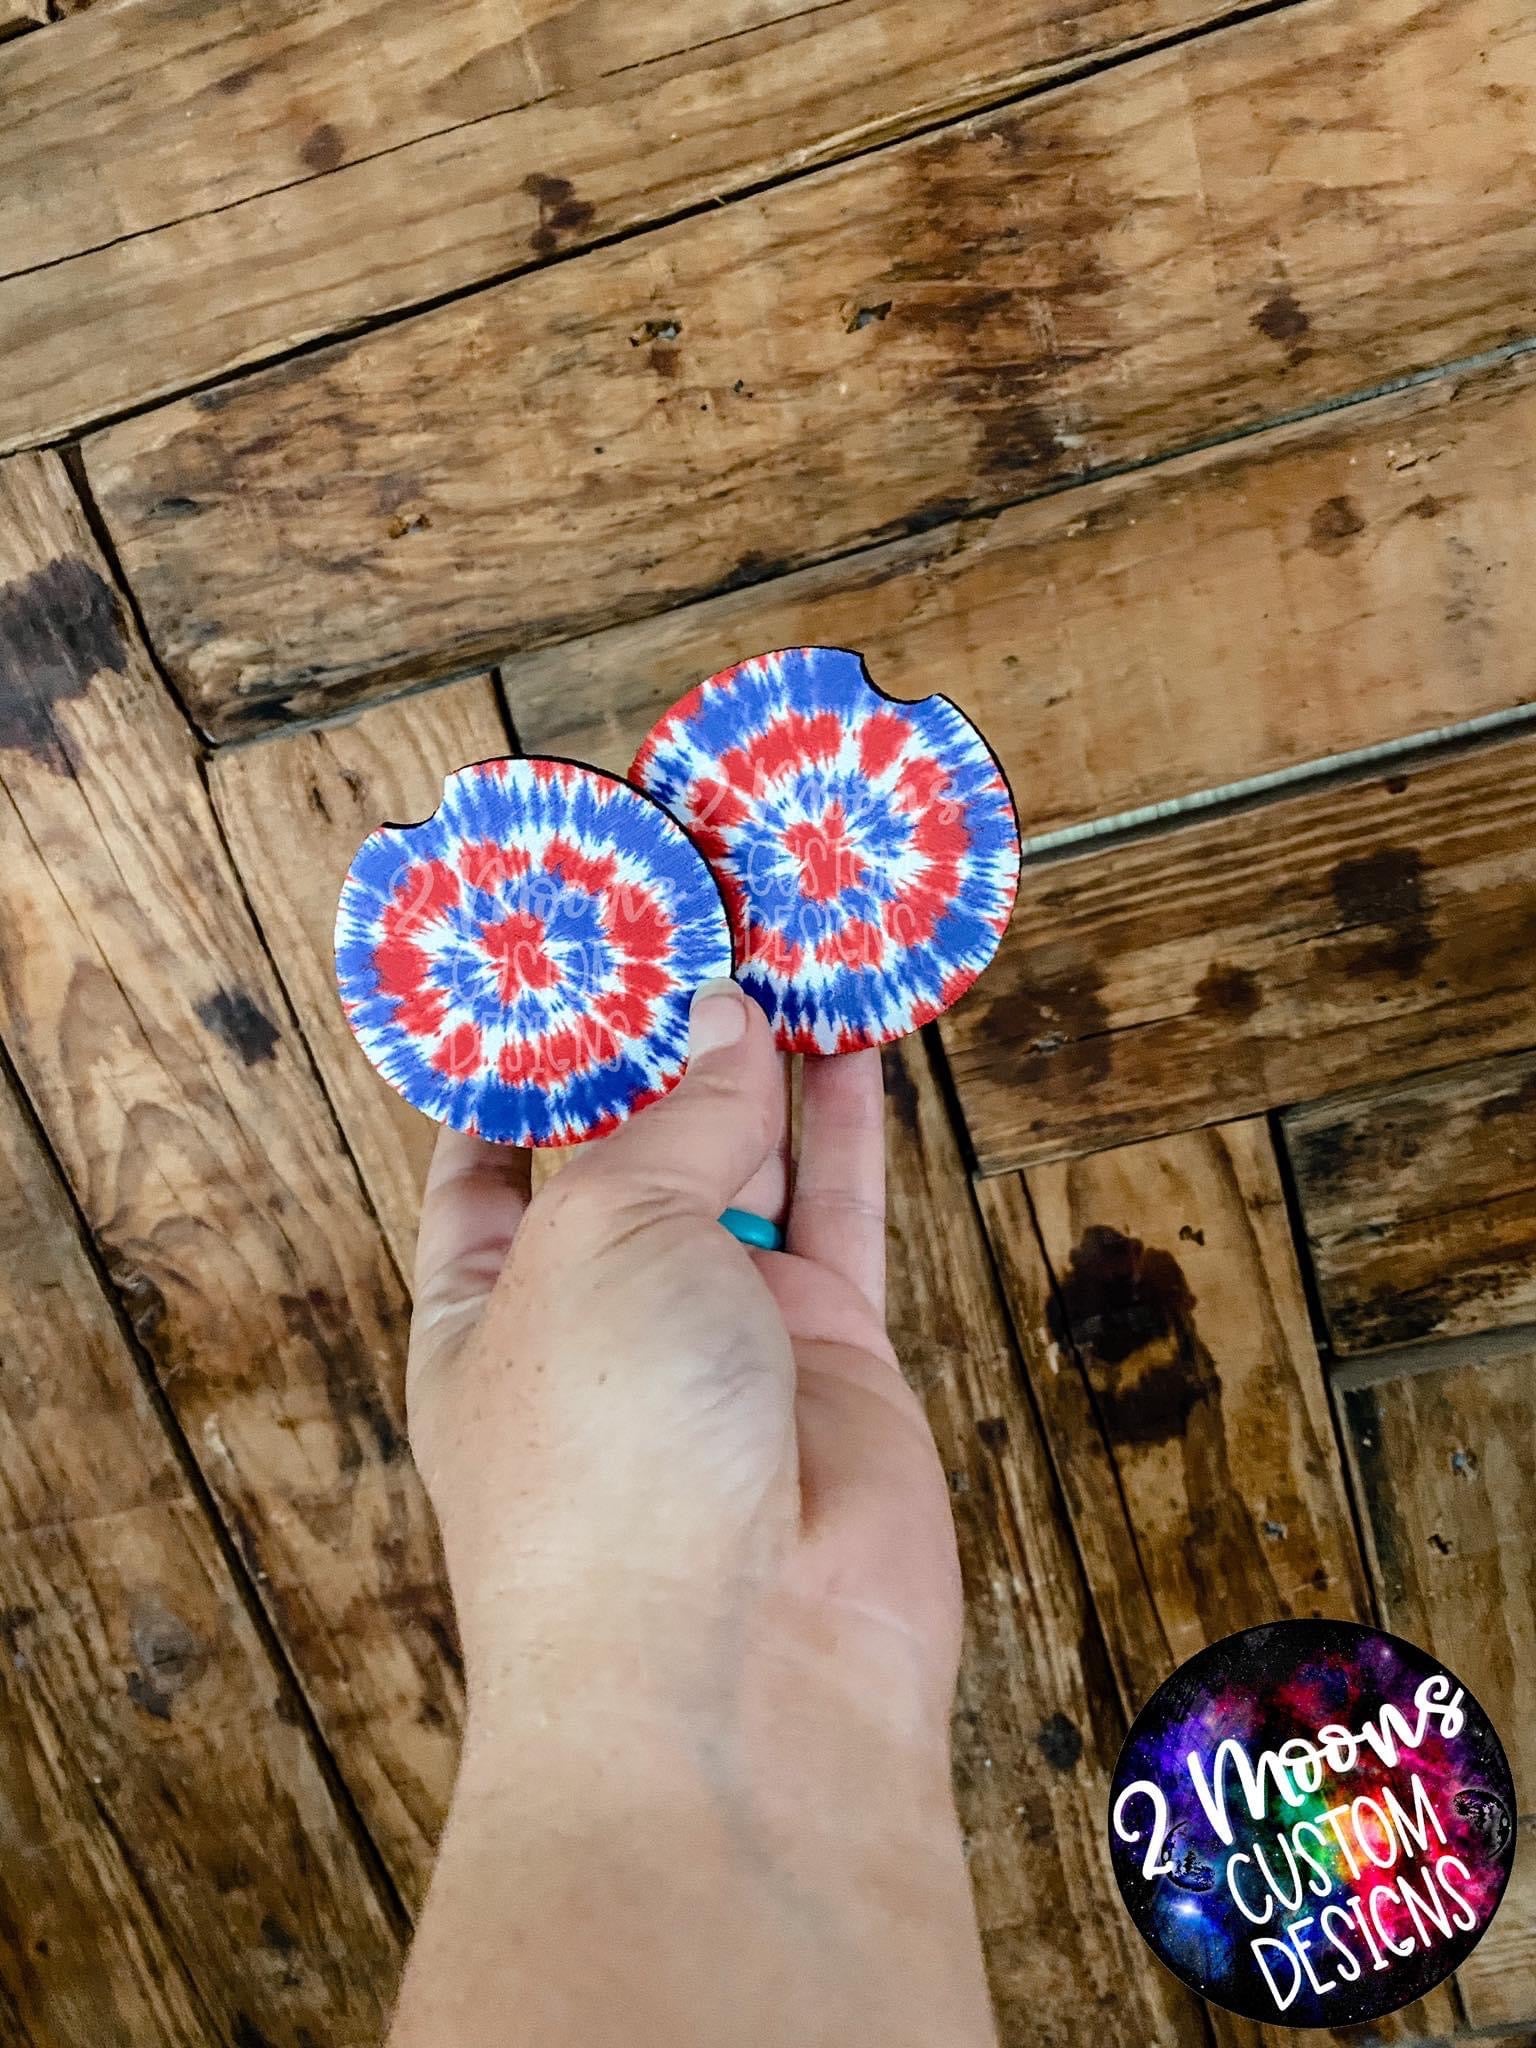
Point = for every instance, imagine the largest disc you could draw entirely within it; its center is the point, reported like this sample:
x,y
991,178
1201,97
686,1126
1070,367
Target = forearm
x,y
626,1892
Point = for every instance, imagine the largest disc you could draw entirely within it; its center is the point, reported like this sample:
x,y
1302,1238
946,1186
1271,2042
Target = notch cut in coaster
x,y
520,965
1312,1823
867,849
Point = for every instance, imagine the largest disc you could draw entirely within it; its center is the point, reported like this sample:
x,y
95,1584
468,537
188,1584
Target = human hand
x,y
705,1572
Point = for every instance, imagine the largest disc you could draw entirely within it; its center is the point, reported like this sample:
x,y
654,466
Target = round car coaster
x,y
520,965
867,849
1312,1823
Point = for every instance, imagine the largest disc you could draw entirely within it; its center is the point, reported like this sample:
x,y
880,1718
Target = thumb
x,y
700,1146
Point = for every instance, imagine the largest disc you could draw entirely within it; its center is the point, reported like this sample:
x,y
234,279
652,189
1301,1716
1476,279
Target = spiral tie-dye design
x,y
867,849
520,965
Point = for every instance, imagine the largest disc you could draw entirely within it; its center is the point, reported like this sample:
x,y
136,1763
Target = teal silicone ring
x,y
755,1231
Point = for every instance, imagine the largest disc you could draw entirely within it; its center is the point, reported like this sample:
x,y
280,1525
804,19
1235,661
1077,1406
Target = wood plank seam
x,y
1088,67
1301,1251
1433,1354
297,1025
1242,795
81,483
1225,799
283,1330
939,1060
879,130
229,1550
1118,828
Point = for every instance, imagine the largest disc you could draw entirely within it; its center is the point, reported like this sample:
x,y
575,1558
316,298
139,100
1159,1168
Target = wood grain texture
x,y
1164,1332
1359,932
157,111
1420,1203
1168,1345
638,113
1093,277
150,1031
1498,1979
294,811
1446,1466
172,1866
1315,579
1037,1725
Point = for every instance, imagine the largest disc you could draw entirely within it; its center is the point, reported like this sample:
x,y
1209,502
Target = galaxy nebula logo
x,y
1312,1823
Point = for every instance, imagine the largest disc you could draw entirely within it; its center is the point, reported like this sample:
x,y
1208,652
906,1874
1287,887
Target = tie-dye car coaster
x,y
867,849
520,965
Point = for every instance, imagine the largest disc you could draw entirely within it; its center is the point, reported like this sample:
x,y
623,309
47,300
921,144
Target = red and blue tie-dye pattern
x,y
520,965
867,849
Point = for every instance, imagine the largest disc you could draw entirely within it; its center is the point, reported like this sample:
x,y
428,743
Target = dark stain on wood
x,y
169,1657
1060,1742
900,1089
993,1432
277,1937
59,628
1052,1011
1117,1299
1334,524
241,1024
1386,888
1427,507
352,1390
322,148
1118,1296
1281,320
1227,992
561,213
247,2034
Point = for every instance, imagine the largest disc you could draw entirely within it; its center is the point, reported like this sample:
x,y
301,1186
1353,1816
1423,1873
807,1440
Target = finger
x,y
767,1192
702,1144
475,1198
837,1215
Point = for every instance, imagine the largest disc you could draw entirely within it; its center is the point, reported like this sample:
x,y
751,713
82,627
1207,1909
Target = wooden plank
x,y
156,111
1498,1980
1446,1464
1164,1333
172,1865
1167,1341
1420,1203
1081,629
150,1031
729,396
1358,932
294,811
16,15
645,113
1037,1725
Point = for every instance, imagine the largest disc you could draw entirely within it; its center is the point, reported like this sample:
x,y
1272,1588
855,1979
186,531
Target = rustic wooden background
x,y
1158,378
